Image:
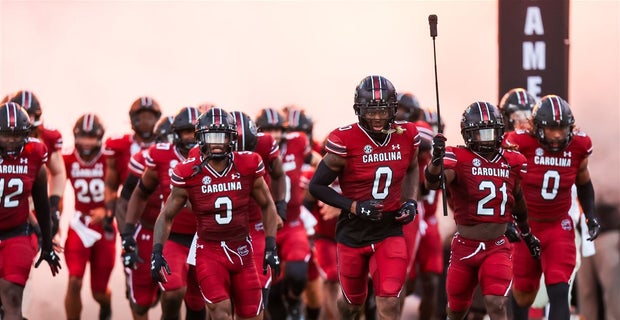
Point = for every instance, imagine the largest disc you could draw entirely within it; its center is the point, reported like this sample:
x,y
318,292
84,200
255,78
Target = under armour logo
x,y
396,147
235,176
504,165
200,246
23,160
365,211
567,154
145,237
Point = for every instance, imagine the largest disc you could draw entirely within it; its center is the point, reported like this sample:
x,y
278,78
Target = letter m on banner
x,y
533,46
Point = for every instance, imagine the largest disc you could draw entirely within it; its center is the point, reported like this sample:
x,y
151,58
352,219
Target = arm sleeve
x,y
130,184
42,210
585,194
320,189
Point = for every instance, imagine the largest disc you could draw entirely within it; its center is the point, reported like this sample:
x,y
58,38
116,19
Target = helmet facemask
x,y
183,126
484,139
163,130
216,144
183,140
376,120
87,145
88,135
554,138
143,124
12,143
516,106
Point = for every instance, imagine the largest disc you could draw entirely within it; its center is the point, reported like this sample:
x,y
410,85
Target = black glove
x,y
370,210
512,233
159,266
408,211
281,209
533,244
52,259
130,248
594,228
439,149
271,258
55,213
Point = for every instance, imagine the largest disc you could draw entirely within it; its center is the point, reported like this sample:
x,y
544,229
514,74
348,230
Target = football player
x,y
484,181
86,240
219,185
376,162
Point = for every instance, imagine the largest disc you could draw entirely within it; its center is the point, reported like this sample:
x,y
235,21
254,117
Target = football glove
x,y
271,258
408,211
370,210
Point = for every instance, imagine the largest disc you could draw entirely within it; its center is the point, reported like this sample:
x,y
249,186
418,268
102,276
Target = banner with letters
x,y
533,46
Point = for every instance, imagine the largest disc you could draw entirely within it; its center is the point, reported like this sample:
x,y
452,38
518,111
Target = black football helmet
x,y
14,130
482,127
216,127
375,94
185,119
246,131
269,118
298,120
88,125
29,101
515,100
553,112
140,105
163,130
408,107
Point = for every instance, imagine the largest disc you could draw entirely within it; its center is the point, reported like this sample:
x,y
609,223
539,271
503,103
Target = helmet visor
x,y
210,137
484,135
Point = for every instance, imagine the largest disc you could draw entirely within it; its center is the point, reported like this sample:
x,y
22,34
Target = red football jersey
x,y
87,180
50,137
268,149
294,149
551,175
137,165
162,158
482,189
372,171
220,200
17,177
122,148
